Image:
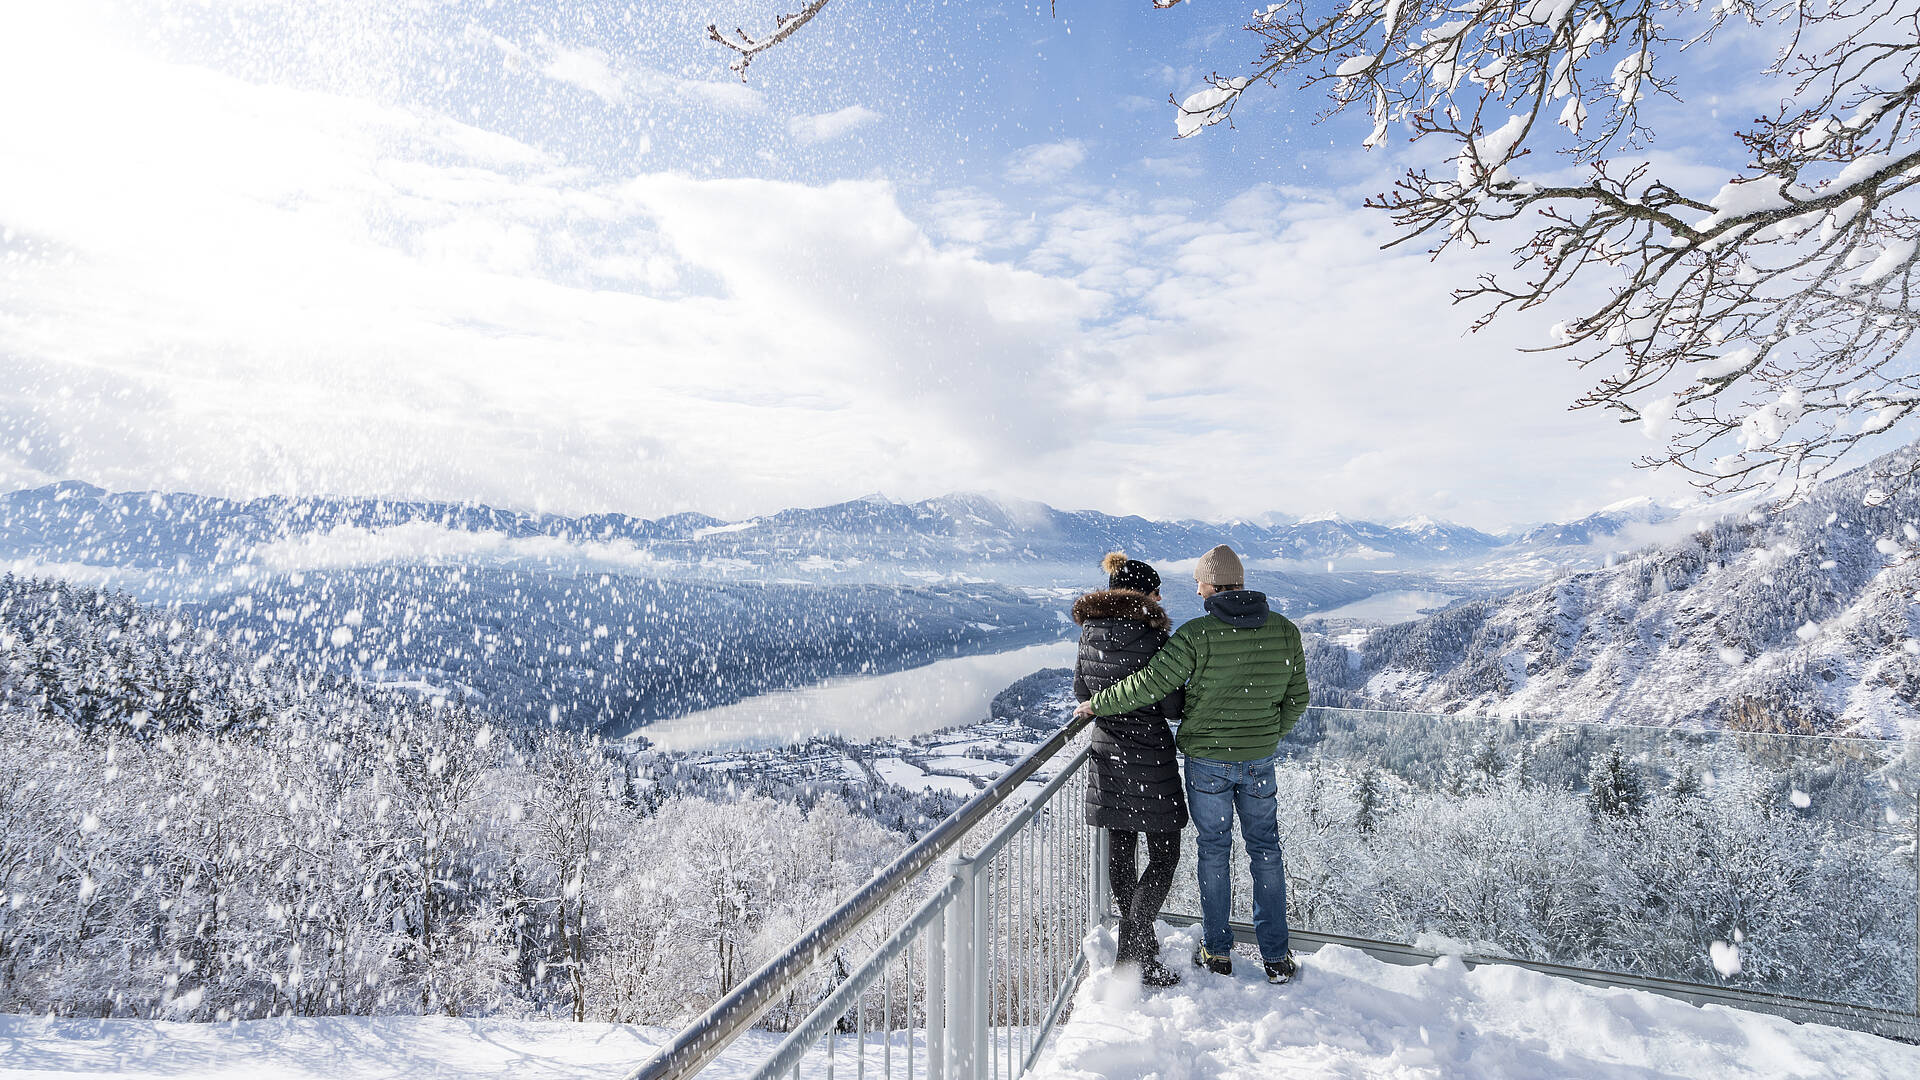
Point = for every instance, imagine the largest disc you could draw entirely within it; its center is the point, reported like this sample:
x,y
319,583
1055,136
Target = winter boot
x,y
1281,970
1218,963
1156,974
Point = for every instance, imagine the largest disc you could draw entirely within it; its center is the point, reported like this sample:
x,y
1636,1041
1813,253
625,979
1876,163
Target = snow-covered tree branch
x,y
1761,330
745,46
1760,325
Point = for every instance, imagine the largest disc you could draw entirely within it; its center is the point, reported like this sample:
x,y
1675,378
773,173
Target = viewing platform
x,y
1468,896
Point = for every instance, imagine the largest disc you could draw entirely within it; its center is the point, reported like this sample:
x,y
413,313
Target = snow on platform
x,y
1350,1015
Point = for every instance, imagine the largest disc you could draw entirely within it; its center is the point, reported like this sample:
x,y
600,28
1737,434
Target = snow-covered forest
x,y
194,833
1768,863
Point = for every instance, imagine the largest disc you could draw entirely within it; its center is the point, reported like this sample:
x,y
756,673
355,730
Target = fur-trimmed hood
x,y
1120,604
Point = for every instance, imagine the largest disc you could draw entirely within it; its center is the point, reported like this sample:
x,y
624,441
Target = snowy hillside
x,y
195,832
1605,523
1802,622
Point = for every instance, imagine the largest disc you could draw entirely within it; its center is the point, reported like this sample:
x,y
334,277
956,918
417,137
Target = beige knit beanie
x,y
1220,567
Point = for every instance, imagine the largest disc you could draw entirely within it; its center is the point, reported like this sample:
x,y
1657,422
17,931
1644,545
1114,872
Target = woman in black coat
x,y
1133,784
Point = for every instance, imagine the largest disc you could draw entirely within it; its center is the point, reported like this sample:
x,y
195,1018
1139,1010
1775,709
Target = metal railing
x,y
973,977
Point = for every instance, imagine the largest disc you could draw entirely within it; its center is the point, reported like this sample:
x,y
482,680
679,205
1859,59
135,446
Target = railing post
x,y
982,898
1100,894
936,969
963,977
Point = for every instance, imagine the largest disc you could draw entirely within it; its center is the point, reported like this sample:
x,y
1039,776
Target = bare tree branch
x,y
749,47
1762,330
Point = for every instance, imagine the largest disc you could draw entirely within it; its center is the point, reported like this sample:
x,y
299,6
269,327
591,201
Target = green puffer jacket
x,y
1245,674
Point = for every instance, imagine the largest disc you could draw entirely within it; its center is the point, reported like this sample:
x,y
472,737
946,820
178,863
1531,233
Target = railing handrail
x,y
1616,725
935,908
700,1042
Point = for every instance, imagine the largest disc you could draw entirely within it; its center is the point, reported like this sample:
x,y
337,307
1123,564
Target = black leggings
x,y
1140,894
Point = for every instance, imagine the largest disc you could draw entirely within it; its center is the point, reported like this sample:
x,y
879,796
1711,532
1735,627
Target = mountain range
x,y
864,539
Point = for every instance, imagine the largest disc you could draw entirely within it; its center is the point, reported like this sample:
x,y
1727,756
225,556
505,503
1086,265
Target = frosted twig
x,y
749,47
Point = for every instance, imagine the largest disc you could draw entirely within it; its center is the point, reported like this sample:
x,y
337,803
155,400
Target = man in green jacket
x,y
1245,675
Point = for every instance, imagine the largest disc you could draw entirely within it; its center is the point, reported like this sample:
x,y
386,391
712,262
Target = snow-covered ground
x,y
1350,1015
913,778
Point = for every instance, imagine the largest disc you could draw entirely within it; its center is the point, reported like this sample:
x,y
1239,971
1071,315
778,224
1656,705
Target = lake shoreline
x,y
914,700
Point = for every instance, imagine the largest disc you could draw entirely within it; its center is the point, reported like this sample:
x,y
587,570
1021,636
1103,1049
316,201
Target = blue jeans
x,y
1216,790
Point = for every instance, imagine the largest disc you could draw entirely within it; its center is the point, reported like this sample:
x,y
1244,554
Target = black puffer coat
x,y
1134,783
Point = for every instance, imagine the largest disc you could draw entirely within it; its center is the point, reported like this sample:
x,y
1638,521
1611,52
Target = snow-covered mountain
x,y
1602,525
1799,622
862,538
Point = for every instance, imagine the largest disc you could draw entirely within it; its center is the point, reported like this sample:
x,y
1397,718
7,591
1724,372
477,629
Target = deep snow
x,y
1350,1015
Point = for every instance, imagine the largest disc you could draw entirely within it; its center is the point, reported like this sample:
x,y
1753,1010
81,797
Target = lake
x,y
939,695
1387,608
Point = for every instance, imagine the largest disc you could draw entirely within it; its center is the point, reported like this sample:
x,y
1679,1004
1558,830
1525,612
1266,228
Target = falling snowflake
x,y
1725,957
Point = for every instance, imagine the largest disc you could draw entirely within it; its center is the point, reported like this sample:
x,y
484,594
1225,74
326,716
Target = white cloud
x,y
589,69
1101,243
597,73
303,292
731,95
237,288
1173,168
972,217
351,546
1045,163
827,126
1280,351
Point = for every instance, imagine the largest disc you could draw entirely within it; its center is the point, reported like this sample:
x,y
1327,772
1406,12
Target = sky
x,y
556,256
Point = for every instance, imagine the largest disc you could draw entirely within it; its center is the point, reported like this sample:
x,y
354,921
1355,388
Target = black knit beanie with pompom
x,y
1125,573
